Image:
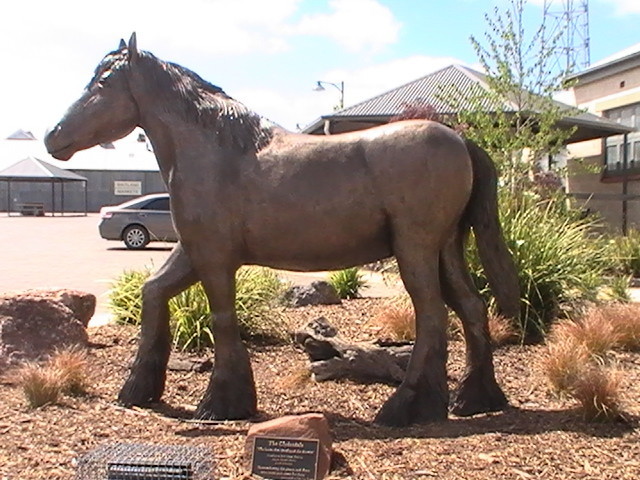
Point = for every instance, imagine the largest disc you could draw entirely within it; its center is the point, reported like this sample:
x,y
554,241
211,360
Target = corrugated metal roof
x,y
433,89
456,88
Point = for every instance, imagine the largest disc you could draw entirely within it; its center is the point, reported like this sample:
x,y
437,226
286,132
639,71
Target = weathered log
x,y
333,358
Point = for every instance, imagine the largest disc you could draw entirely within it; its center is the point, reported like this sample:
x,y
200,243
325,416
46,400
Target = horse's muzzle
x,y
53,144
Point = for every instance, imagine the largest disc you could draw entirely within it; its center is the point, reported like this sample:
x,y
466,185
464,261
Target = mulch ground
x,y
540,436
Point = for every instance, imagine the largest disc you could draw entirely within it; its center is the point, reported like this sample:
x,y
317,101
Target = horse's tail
x,y
482,214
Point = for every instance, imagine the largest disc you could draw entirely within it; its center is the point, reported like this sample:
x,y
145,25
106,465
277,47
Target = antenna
x,y
570,19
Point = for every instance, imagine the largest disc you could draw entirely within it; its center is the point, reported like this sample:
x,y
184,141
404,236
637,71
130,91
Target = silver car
x,y
138,221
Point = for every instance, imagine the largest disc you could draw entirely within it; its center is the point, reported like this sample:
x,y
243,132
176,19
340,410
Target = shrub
x,y
627,250
258,296
125,298
348,282
559,260
190,319
258,292
41,385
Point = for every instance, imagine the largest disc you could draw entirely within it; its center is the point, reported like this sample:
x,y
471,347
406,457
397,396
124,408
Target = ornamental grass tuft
x,y
348,283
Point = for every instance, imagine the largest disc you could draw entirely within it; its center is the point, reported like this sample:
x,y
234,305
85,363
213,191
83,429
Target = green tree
x,y
516,119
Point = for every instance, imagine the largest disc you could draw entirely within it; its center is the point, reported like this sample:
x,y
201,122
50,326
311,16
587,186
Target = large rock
x,y
33,327
317,293
310,426
82,304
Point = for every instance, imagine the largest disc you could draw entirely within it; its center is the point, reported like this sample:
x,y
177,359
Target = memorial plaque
x,y
277,458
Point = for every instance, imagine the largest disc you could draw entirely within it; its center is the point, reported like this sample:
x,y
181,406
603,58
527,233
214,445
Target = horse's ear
x,y
122,45
133,47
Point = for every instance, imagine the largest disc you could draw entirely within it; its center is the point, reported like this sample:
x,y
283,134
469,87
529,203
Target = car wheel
x,y
135,237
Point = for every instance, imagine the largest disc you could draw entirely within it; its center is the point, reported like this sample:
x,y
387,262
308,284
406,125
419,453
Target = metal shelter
x,y
31,170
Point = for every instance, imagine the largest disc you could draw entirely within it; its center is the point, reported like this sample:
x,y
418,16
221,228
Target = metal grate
x,y
127,461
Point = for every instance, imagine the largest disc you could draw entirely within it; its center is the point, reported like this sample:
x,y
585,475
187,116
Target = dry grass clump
x,y
397,319
576,358
71,365
593,330
625,320
397,322
64,373
564,362
296,379
598,391
41,386
501,330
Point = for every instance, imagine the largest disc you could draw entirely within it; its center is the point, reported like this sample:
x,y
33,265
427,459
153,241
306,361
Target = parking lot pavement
x,y
67,252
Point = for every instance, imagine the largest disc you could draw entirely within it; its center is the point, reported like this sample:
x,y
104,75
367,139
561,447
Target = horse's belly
x,y
319,245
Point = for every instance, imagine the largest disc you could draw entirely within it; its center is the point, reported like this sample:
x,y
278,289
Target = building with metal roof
x,y
448,90
114,173
34,171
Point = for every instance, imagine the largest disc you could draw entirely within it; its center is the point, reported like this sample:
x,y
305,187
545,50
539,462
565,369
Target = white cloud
x,y
624,7
620,7
357,25
213,26
362,84
291,108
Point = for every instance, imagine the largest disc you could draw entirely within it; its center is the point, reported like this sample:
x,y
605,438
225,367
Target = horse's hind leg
x,y
423,395
478,391
231,393
148,374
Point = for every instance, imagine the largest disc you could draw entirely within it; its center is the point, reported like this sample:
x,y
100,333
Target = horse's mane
x,y
197,101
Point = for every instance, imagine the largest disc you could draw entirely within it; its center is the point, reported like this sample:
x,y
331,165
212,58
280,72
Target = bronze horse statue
x,y
247,192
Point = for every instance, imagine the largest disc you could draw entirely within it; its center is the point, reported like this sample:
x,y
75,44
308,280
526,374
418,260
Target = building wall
x,y
585,175
610,88
100,190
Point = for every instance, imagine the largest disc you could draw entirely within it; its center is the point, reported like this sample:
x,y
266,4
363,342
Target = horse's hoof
x,y
133,394
477,395
238,410
142,389
406,407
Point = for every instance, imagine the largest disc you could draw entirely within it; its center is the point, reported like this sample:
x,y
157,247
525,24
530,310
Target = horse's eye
x,y
104,77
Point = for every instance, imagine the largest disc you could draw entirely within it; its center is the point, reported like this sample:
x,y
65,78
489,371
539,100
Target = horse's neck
x,y
180,146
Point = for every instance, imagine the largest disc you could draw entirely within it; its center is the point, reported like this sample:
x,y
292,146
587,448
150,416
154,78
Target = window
x,y
614,152
157,204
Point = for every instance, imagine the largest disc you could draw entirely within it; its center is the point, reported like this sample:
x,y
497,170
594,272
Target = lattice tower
x,y
572,19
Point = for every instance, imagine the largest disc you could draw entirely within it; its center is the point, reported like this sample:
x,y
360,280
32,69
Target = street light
x,y
339,86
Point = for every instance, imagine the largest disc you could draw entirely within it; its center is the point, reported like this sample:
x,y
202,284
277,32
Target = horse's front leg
x,y
231,393
148,374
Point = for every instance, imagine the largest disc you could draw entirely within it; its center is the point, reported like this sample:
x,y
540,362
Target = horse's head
x,y
106,111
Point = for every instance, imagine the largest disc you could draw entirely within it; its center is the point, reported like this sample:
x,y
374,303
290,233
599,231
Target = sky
x,y
268,54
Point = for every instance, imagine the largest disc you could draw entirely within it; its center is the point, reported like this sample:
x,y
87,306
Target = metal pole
x,y
625,186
